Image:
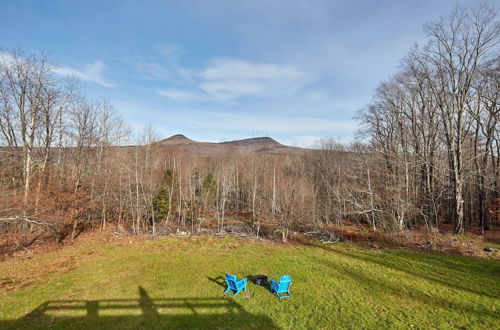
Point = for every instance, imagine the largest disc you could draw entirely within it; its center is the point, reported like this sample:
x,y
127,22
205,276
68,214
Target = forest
x,y
426,157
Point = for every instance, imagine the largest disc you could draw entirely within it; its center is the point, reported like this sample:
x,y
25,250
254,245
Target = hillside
x,y
261,145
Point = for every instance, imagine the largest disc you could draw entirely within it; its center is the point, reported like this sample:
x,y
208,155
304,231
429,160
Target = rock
x,y
489,249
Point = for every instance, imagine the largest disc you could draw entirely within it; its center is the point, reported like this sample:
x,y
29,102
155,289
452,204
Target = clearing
x,y
129,283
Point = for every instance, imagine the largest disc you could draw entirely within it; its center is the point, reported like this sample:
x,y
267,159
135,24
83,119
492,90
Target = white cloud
x,y
231,79
91,72
181,95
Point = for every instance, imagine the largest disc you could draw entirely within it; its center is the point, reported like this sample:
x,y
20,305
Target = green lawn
x,y
177,283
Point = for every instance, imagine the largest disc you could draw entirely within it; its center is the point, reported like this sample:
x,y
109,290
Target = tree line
x,y
428,155
436,122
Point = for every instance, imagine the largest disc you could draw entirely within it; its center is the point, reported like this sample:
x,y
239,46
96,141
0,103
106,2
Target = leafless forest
x,y
427,156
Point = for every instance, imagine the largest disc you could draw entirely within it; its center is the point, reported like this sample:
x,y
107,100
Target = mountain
x,y
262,145
259,141
176,140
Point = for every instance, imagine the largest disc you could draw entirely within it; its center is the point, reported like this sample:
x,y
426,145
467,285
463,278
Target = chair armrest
x,y
241,283
274,285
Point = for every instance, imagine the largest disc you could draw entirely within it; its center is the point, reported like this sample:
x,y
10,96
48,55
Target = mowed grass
x,y
178,283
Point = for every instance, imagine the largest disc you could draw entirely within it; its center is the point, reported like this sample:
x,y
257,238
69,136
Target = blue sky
x,y
223,70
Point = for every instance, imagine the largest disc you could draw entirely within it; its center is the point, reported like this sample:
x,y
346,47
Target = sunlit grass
x,y
175,283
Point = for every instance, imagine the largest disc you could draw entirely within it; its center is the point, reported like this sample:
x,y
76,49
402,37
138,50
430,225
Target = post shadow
x,y
147,305
143,312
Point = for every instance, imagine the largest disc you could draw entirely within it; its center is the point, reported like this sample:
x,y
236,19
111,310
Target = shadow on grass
x,y
468,274
386,290
458,277
218,280
435,268
142,313
221,282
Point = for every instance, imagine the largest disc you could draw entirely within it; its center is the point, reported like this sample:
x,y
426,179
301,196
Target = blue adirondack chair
x,y
235,285
283,286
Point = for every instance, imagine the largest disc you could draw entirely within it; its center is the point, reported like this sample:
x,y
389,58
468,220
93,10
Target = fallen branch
x,y
325,237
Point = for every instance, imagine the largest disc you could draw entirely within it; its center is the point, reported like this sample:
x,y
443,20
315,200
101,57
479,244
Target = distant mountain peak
x,y
177,136
176,139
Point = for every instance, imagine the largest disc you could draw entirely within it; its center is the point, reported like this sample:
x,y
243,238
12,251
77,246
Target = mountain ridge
x,y
262,144
181,138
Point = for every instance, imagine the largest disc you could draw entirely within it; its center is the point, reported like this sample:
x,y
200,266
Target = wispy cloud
x,y
164,65
170,72
92,72
182,95
152,70
228,80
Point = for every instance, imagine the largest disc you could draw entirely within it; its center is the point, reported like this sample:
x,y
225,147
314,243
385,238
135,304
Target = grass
x,y
177,283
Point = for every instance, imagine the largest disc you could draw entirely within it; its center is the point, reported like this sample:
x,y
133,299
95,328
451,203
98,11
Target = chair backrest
x,y
285,282
231,281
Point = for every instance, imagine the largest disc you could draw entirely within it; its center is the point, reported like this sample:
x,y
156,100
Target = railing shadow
x,y
142,313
